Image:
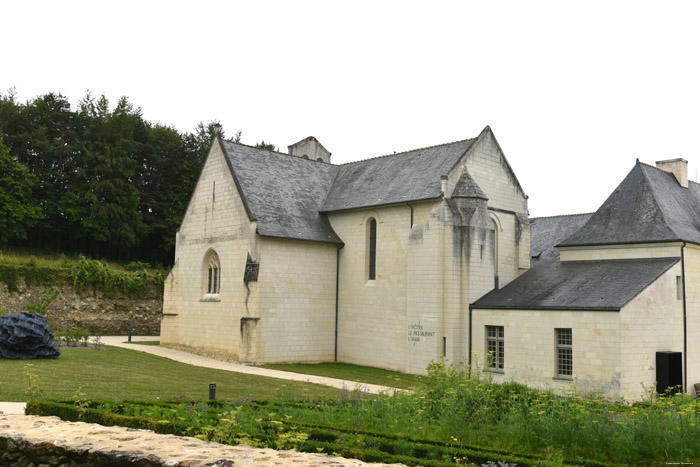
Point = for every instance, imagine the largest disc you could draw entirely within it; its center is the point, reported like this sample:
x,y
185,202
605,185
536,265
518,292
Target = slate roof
x,y
288,196
283,193
577,285
547,232
398,178
648,206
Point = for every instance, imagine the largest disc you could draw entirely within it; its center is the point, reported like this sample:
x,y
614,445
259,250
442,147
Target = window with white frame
x,y
565,361
495,348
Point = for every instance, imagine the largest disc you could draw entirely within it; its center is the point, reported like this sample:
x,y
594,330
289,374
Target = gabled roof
x,y
648,206
547,232
289,195
578,285
397,178
282,192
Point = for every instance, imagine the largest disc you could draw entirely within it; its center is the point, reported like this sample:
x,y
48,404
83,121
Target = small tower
x,y
310,148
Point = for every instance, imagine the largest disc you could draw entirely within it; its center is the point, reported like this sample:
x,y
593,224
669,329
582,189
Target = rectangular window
x,y
679,288
495,348
565,361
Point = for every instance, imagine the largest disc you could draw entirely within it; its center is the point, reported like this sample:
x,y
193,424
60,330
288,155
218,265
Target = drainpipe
x,y
337,280
407,204
470,341
685,327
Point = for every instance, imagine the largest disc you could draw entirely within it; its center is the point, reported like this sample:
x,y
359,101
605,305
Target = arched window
x,y
212,273
304,156
372,249
319,160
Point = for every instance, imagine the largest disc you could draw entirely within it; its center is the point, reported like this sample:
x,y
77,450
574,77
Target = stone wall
x,y
91,310
48,441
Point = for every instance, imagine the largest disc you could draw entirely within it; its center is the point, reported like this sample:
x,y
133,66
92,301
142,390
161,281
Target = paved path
x,y
198,360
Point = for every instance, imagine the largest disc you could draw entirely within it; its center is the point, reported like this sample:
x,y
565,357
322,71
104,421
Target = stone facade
x,y
90,310
433,258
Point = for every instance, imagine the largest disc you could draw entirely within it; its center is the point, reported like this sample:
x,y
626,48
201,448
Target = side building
x,y
288,258
617,306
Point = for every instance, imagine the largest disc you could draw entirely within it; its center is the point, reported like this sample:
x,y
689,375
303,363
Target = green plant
x,y
137,266
41,303
97,341
33,390
80,403
73,337
95,274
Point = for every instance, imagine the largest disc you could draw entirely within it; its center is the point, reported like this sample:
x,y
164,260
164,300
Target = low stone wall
x,y
48,441
91,310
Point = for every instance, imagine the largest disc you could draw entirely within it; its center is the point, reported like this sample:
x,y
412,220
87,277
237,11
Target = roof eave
x,y
249,213
382,205
283,237
547,307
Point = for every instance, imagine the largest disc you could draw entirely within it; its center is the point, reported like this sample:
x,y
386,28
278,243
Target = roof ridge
x,y
655,167
278,152
563,215
406,152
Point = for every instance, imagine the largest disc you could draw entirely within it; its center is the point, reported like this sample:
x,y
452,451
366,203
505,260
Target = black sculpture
x,y
26,335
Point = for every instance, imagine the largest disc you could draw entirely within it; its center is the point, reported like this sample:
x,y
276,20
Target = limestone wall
x,y
603,252
27,441
93,311
650,323
692,293
530,347
372,313
297,301
215,220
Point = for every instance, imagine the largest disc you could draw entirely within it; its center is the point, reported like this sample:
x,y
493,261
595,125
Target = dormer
x,y
310,148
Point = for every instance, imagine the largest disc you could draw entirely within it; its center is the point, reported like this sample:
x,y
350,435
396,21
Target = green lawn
x,y
114,373
348,372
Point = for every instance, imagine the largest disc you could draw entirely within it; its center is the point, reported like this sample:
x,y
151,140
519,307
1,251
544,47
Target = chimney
x,y
678,167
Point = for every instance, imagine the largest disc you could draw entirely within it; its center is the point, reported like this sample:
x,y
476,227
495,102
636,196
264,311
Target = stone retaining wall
x,y
90,310
48,441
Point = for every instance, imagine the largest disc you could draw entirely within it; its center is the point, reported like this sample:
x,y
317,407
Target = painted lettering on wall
x,y
416,333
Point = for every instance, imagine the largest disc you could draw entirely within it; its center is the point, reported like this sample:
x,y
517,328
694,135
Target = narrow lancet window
x,y
372,249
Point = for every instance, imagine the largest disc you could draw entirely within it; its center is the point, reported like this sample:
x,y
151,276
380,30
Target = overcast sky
x,y
574,91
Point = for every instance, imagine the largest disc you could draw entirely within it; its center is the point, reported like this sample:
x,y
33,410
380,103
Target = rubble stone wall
x,y
91,310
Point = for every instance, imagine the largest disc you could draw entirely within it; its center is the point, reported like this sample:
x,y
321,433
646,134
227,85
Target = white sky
x,y
574,91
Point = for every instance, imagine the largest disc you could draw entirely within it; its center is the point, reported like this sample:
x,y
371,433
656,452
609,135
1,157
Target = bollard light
x,y
212,391
129,333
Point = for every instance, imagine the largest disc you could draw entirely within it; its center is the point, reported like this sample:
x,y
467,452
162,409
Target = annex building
x,y
400,260
611,301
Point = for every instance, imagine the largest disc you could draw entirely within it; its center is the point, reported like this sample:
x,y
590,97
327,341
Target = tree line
x,y
95,180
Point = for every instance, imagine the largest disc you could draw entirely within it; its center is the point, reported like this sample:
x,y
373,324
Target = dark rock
x,y
25,336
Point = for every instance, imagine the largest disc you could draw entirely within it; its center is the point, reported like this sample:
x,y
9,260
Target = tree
x,y
18,211
102,201
266,146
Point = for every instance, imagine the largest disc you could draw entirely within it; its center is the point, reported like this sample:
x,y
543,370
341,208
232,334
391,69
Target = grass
x,y
357,373
143,342
114,373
